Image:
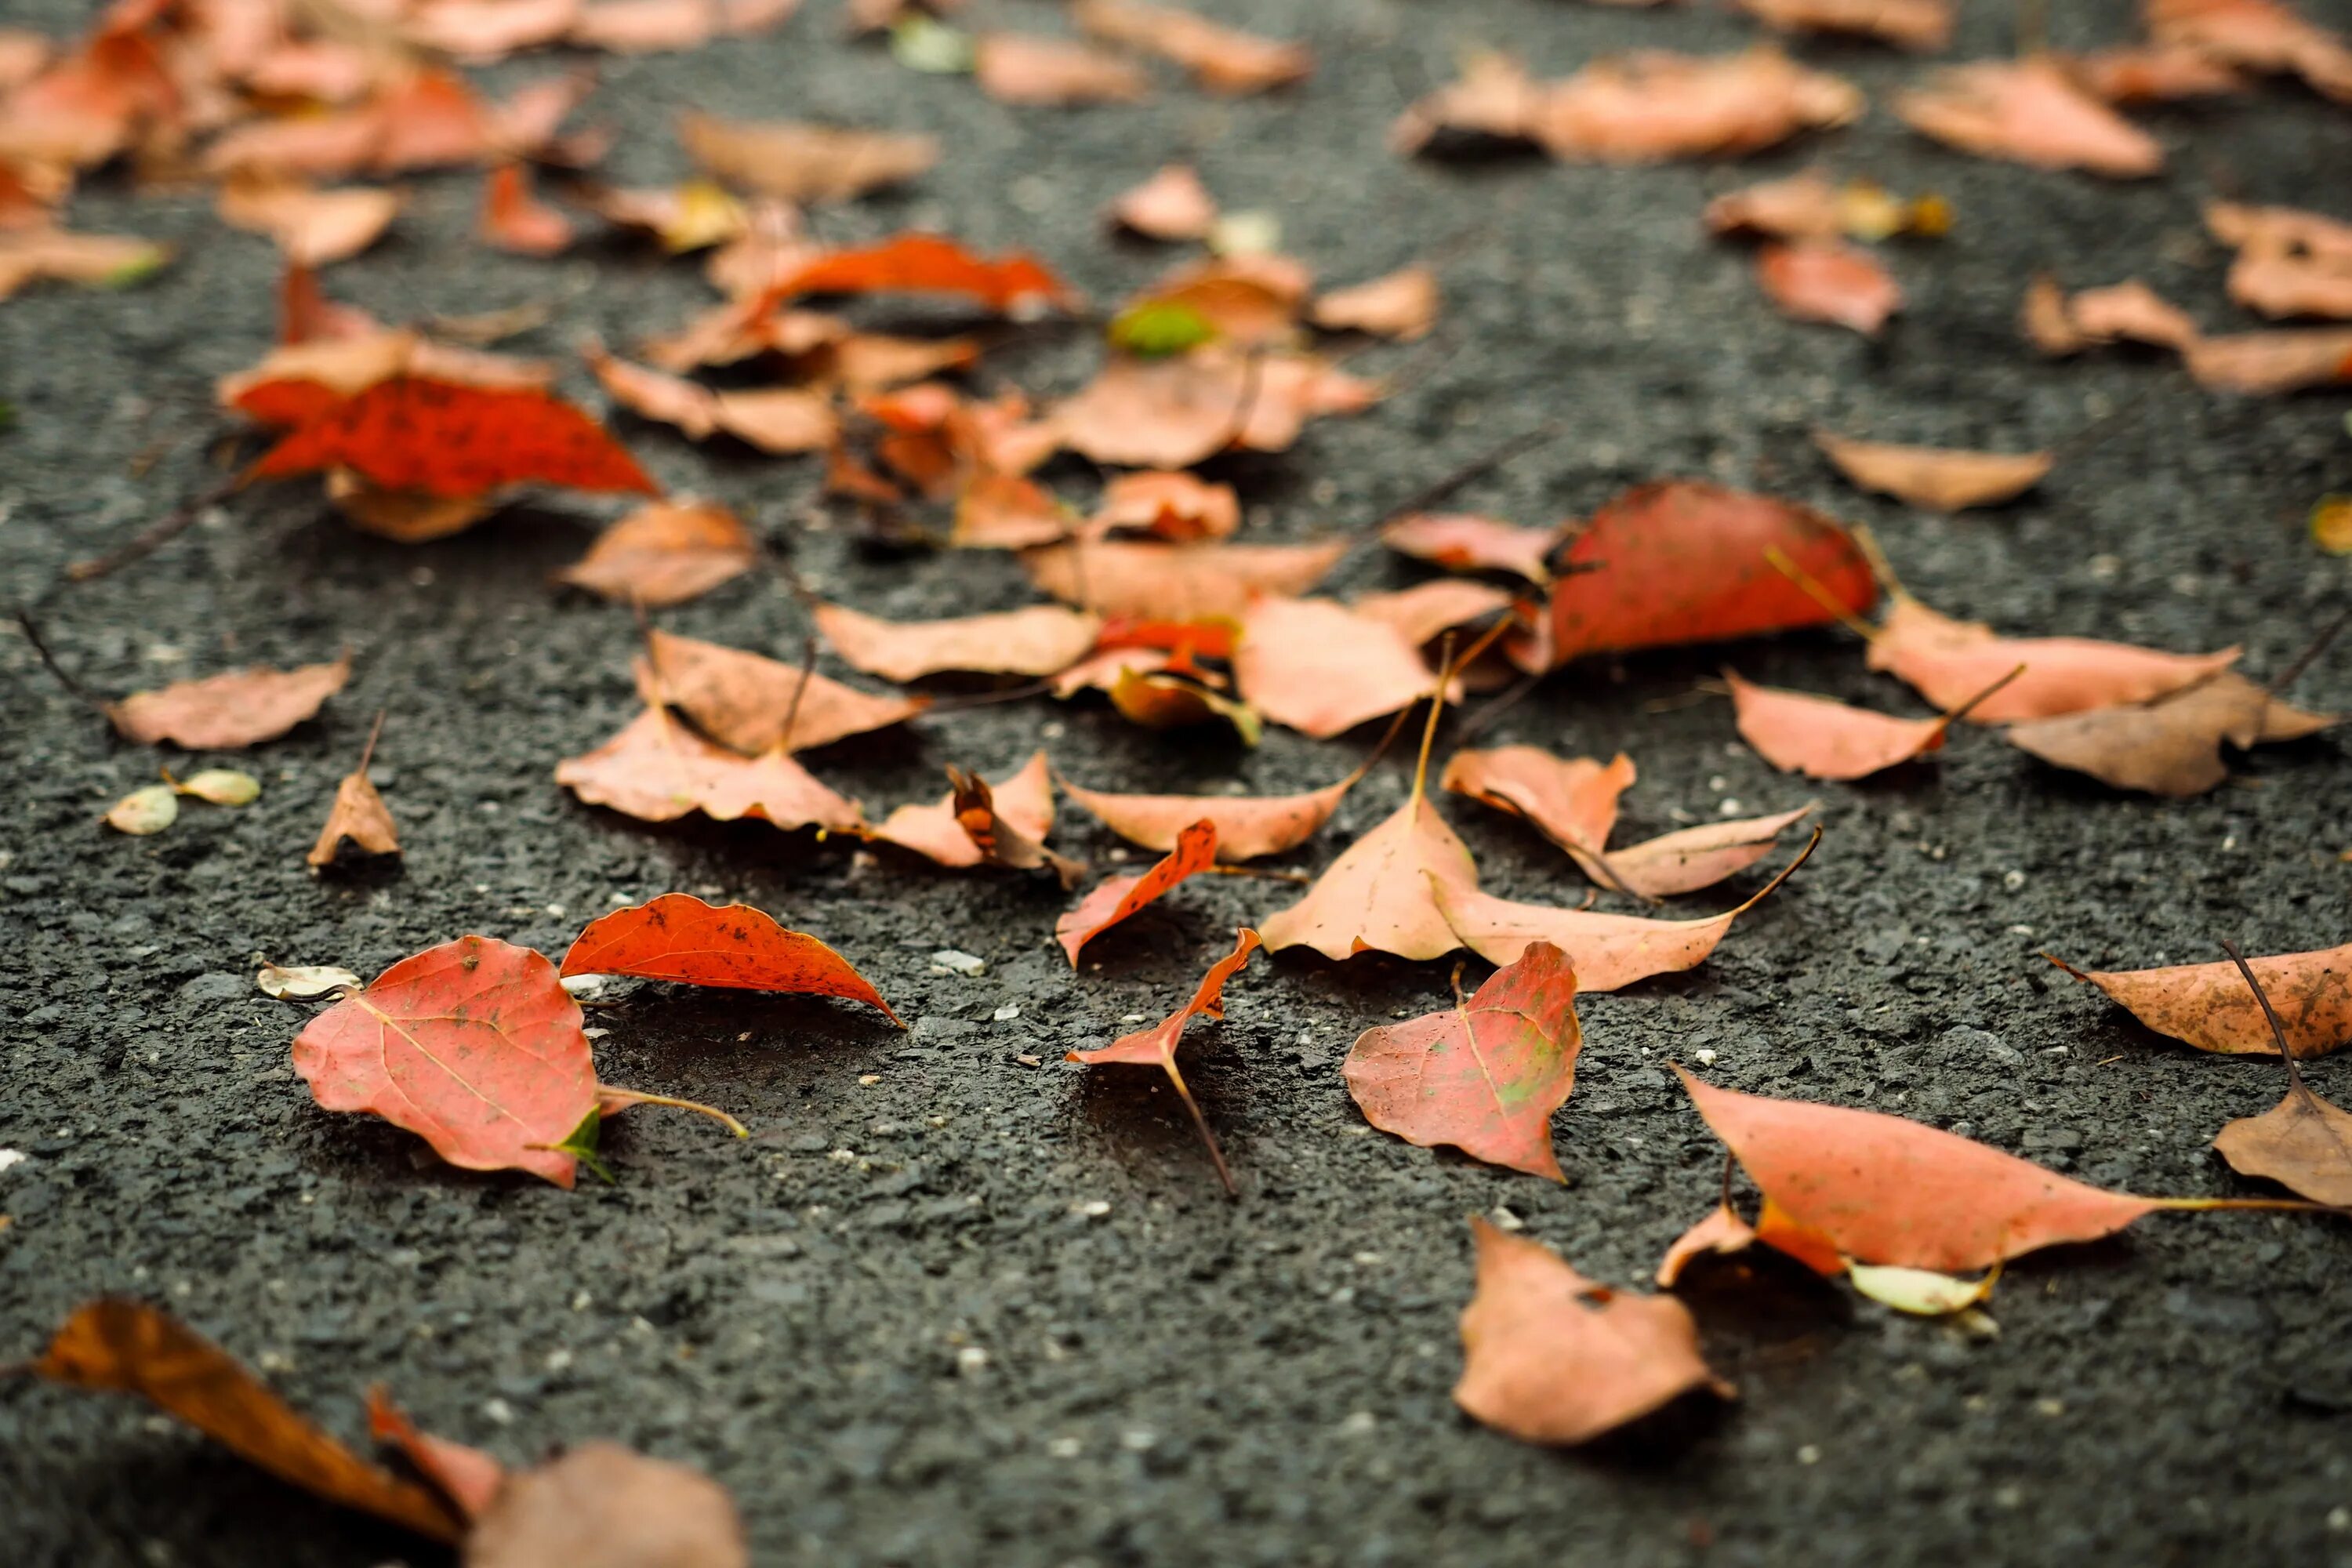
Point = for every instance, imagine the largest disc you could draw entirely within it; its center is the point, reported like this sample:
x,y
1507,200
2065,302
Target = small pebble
x,y
949,960
1007,1013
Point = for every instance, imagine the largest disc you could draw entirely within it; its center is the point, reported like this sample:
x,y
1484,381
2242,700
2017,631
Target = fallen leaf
x,y
1494,100
1171,205
663,553
1002,840
32,255
1681,560
2303,1142
1116,900
1014,284
678,937
1005,512
1026,68
1222,60
446,439
2291,229
1020,802
220,786
1158,700
1609,952
1651,105
1693,858
743,701
1321,669
1462,542
1828,280
512,219
1570,801
1921,1292
228,712
1175,506
774,420
1177,581
1935,478
2278,284
1948,661
313,228
645,27
403,516
1923,27
1038,640
467,1477
1248,827
2209,1006
143,812
2028,111
359,817
2171,745
2288,359
1384,892
1799,732
1883,1190
601,1506
1548,1356
691,216
2129,311
127,1347
482,31
1402,304
656,769
2153,73
301,982
2331,525
1176,410
799,161
1155,1046
2258,34
1720,1233
1484,1076
1427,611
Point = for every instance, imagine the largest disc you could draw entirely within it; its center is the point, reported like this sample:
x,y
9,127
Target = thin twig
x,y
367,753
2310,655
157,534
800,690
2278,1030
1477,467
32,636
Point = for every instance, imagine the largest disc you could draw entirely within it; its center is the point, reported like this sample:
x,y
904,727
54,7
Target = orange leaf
x,y
656,769
798,161
1828,280
1155,1046
1176,506
2029,111
130,1348
743,701
1548,1356
2274,362
1038,640
678,937
1115,900
1177,581
1888,1191
1221,59
1797,732
467,1477
666,552
1323,670
1652,105
513,219
1402,304
1682,560
2209,1006
1021,806
1572,802
1721,1232
1026,68
1466,543
226,713
1949,661
1016,284
1693,858
312,227
1248,827
1485,1076
1921,25
474,1046
1171,206
1936,479
443,438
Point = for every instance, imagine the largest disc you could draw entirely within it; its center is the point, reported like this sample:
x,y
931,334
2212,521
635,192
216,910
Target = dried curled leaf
x,y
1117,898
1248,827
2209,1006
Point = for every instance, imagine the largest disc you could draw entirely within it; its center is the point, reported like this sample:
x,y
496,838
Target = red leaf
x,y
678,937
446,440
928,263
1115,900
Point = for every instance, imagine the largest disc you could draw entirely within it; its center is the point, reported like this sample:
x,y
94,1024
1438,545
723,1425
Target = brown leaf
x,y
1828,280
1038,640
2278,284
1174,505
2172,745
1571,801
663,553
132,1348
2029,111
2209,1006
1020,809
1174,411
601,1506
774,420
225,712
1693,858
1496,99
359,817
2304,1143
1550,1357
2152,73
743,701
1950,662
1171,205
1936,478
2280,228
1026,68
799,161
2129,311
1177,581
1002,840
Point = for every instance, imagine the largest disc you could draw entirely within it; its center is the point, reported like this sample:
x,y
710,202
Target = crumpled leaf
x,y
1402,304
1484,1076
601,1506
1936,478
678,937
227,712
1172,505
744,700
1155,1046
1610,951
772,418
2209,1006
1881,1190
1027,68
313,228
513,219
1462,542
1652,105
446,439
1019,810
1222,60
1548,1356
1682,560
358,818
2028,111
666,552
1248,827
657,770
1949,661
2129,311
1831,281
302,982
1038,640
1321,669
1177,581
1171,205
2171,745
799,161
1923,27
129,1347
1120,896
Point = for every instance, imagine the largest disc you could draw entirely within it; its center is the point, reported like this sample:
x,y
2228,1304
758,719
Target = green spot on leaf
x,y
927,44
580,1144
1160,326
